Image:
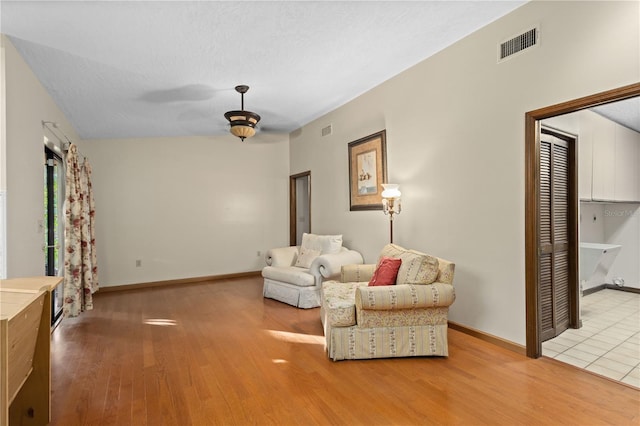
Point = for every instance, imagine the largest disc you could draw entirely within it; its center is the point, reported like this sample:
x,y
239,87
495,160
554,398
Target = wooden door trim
x,y
532,143
293,214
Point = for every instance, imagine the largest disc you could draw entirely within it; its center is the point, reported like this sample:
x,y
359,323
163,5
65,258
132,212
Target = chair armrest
x,y
329,265
282,256
405,296
357,273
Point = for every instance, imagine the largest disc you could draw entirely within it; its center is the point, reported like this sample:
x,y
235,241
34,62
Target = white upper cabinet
x,y
609,159
626,167
585,156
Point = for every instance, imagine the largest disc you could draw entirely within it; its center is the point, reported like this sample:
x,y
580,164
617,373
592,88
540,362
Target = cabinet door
x,y
604,148
626,170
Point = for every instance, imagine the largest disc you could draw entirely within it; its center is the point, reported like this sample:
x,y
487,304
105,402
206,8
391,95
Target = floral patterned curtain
x,y
80,264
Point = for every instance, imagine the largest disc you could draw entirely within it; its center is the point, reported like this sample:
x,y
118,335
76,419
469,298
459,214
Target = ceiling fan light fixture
x,y
243,123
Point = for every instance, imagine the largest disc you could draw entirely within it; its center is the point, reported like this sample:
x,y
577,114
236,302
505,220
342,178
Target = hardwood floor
x,y
218,353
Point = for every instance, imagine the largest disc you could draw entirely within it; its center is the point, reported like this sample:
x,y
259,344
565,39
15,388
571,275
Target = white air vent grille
x,y
326,131
518,44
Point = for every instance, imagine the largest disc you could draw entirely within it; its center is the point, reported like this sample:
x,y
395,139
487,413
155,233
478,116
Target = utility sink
x,y
595,261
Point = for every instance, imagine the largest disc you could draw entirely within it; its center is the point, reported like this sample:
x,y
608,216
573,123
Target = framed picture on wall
x,y
367,171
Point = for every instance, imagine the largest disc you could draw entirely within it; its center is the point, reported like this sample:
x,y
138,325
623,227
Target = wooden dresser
x,y
25,342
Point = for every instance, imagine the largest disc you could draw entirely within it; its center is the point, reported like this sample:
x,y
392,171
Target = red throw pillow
x,y
386,272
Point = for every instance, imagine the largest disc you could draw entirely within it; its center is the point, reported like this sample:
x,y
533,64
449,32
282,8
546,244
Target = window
x,y
53,218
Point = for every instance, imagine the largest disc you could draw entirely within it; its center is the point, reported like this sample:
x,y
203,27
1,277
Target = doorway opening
x,y
532,203
299,206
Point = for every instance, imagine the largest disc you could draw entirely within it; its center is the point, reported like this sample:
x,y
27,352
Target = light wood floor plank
x,y
218,353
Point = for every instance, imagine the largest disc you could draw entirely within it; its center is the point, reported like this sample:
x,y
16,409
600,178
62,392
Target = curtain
x,y
80,264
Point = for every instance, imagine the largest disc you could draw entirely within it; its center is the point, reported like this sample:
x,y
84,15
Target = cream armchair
x,y
405,319
294,275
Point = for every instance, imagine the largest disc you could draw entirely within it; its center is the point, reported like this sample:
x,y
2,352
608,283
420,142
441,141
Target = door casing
x,y
293,203
532,161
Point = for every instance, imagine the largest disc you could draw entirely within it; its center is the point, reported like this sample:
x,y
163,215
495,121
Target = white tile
x,y
633,381
603,371
573,361
616,332
634,347
568,340
613,365
635,373
610,336
590,349
581,332
581,355
557,347
604,337
601,343
621,358
633,328
634,339
549,353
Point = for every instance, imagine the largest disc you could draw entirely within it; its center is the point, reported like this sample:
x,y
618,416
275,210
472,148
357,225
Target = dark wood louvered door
x,y
557,281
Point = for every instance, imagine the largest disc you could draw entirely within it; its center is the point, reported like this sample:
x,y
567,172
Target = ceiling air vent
x,y
518,44
326,131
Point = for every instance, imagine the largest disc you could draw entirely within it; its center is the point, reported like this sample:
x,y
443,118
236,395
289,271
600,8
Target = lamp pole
x,y
391,204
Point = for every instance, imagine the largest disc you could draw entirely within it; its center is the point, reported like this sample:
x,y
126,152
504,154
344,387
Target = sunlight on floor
x,y
160,321
286,336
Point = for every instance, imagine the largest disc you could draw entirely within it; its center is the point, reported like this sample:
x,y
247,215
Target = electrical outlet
x,y
138,263
259,253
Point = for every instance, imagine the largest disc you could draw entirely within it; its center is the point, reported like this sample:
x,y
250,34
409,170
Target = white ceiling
x,y
626,112
121,69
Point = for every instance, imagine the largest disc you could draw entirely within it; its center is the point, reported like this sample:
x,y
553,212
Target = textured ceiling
x,y
625,112
168,68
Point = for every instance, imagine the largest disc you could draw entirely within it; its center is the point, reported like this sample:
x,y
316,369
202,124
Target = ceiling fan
x,y
243,123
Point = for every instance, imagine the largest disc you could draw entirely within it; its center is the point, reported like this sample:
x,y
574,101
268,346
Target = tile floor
x,y
608,342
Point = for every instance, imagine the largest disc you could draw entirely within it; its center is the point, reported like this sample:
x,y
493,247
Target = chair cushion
x,y
386,272
305,257
323,243
416,268
338,302
289,274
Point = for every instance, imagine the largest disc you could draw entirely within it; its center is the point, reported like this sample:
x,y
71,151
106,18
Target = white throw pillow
x,y
322,243
305,257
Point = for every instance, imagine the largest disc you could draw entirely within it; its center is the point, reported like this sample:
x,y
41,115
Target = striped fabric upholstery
x,y
362,322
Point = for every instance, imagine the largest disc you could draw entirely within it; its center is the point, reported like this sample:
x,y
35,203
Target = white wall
x,y
455,129
3,165
27,105
622,226
187,207
592,222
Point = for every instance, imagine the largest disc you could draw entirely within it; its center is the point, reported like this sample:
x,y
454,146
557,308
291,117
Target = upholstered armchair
x,y
365,318
294,275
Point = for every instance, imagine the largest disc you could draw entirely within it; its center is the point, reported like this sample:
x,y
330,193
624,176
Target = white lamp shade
x,y
391,190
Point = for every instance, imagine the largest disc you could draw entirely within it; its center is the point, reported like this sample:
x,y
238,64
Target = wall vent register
x,y
518,43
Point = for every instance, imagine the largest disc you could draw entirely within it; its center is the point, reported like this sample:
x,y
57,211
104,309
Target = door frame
x,y
293,203
532,161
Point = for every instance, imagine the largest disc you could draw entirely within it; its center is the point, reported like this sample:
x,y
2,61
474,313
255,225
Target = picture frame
x,y
367,171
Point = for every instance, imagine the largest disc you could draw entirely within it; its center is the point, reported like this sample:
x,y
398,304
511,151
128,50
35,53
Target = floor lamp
x,y
391,204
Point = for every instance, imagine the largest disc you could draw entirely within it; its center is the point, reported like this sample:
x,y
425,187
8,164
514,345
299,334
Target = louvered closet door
x,y
554,276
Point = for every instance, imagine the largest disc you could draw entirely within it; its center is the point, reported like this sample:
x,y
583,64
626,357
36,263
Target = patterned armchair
x,y
406,319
